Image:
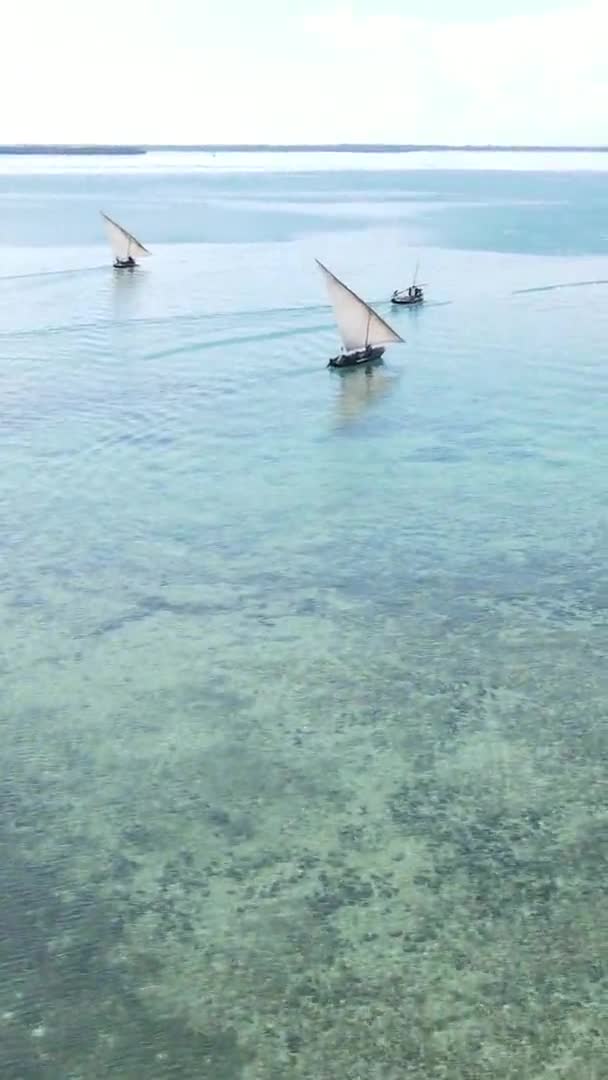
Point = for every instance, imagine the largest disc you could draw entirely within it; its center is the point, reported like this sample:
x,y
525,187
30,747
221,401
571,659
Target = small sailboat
x,y
364,333
124,245
412,295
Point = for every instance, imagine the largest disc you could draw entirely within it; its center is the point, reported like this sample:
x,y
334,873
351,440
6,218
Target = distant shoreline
x,y
58,148
61,149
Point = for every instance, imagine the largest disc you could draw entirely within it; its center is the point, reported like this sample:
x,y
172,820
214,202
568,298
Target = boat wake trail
x,y
219,326
560,285
54,273
243,339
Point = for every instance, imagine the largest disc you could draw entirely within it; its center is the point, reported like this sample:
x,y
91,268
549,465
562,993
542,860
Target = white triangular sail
x,y
358,323
123,244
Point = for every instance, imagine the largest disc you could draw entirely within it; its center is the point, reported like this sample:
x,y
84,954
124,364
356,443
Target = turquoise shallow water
x,y
304,679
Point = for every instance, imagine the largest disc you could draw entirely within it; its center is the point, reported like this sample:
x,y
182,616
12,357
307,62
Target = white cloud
x,y
525,78
145,70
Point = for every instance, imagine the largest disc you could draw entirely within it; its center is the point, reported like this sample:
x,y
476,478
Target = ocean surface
x,y
304,679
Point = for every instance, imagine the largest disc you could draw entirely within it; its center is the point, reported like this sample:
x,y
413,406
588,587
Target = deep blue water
x,y
303,674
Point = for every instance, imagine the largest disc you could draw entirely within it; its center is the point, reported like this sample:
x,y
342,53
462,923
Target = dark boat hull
x,y
357,356
125,264
407,301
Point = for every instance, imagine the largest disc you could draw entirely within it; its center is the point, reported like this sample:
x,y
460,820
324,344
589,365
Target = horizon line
x,y
341,147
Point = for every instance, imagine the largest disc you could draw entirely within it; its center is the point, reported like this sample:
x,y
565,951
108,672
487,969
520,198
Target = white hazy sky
x,y
192,71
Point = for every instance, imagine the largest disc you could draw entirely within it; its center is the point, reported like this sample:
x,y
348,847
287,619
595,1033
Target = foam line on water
x,y
242,339
560,285
54,273
102,324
